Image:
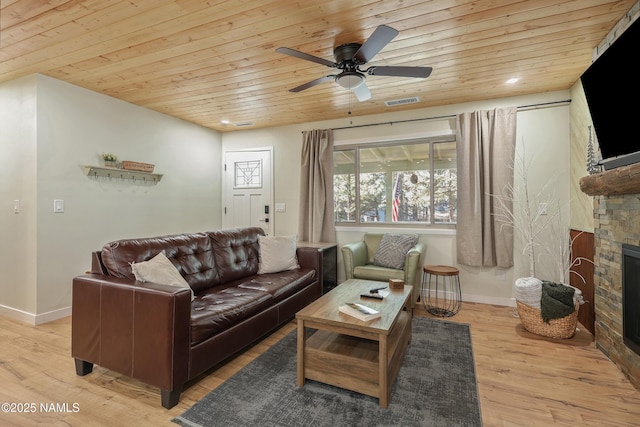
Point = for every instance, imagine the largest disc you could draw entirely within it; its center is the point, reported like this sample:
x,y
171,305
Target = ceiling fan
x,y
351,56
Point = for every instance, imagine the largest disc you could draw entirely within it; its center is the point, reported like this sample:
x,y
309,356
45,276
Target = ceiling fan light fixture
x,y
350,79
350,57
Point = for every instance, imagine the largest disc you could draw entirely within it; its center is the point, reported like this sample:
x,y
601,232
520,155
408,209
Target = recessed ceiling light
x,y
512,80
224,121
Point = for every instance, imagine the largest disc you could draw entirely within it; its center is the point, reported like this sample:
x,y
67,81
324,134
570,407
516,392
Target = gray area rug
x,y
436,386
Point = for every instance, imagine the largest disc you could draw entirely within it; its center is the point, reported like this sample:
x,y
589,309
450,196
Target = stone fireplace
x,y
617,223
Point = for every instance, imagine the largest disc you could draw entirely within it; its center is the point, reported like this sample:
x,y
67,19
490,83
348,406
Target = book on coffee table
x,y
359,311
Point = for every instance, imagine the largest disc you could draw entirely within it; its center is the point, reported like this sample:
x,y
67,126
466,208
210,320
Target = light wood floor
x,y
523,379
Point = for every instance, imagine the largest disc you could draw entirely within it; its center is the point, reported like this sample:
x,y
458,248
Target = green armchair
x,y
360,258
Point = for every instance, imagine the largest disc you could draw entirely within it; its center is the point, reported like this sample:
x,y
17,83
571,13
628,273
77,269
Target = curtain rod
x,y
452,116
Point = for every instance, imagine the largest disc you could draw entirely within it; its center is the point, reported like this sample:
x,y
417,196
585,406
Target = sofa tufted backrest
x,y
191,254
237,252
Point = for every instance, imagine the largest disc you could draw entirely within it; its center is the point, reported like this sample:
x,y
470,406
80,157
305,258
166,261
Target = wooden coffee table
x,y
337,349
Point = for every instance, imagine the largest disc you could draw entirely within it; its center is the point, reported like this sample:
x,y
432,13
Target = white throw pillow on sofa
x,y
159,269
277,253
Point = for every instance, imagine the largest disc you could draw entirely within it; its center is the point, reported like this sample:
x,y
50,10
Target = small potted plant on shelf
x,y
110,159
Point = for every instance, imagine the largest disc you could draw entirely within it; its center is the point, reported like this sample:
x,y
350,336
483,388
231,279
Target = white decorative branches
x,y
538,221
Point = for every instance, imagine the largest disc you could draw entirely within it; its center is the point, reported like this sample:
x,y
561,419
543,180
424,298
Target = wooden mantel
x,y
619,181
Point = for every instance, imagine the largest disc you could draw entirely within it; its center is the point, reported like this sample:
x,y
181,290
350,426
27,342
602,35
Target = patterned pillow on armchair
x,y
393,248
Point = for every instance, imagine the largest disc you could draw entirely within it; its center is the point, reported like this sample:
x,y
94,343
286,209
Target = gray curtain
x,y
316,187
485,144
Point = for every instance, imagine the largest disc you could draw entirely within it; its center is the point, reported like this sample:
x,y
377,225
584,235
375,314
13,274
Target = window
x,y
412,182
248,174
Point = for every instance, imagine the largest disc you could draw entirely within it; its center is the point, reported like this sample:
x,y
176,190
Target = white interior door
x,y
247,189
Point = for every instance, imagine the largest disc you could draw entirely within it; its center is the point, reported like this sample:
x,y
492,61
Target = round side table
x,y
441,295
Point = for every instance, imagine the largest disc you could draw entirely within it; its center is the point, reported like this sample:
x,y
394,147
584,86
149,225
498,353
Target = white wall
x,y
543,137
581,204
69,128
545,131
18,182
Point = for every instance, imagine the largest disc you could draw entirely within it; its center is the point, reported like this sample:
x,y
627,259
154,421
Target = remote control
x,y
373,296
375,290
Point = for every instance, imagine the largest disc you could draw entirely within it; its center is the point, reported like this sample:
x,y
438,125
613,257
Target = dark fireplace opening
x,y
631,296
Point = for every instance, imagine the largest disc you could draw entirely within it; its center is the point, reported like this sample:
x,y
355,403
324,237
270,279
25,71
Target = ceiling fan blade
x,y
312,83
420,72
362,92
306,56
374,44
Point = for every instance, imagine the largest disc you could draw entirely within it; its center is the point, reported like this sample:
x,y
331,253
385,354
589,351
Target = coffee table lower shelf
x,y
353,362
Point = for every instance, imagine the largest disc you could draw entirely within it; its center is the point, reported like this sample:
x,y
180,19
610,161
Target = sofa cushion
x,y
219,308
377,273
277,253
159,270
280,285
393,249
372,241
237,252
191,254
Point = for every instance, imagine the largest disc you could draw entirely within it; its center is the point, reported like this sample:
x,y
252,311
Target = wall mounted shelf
x,y
121,174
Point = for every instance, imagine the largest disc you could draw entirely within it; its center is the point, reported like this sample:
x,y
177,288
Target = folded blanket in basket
x,y
528,290
556,301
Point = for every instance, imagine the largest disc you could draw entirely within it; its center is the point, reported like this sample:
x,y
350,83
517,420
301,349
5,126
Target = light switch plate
x,y
58,206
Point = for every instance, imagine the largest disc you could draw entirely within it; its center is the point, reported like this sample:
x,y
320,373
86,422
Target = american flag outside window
x,y
397,192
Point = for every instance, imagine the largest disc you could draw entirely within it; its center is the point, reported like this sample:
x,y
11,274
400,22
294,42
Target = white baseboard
x,y
39,319
34,319
482,299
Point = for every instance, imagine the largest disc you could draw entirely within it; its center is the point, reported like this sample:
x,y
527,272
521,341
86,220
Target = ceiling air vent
x,y
402,101
244,124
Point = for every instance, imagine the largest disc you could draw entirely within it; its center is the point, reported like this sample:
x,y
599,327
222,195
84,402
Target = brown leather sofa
x,y
156,333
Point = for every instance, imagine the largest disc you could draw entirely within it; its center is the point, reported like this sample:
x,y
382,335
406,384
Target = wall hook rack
x,y
96,172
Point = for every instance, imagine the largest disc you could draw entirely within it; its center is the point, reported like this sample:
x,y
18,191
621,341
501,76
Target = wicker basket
x,y
137,166
531,319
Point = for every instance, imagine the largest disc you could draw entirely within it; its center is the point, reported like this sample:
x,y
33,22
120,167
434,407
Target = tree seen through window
x,y
393,183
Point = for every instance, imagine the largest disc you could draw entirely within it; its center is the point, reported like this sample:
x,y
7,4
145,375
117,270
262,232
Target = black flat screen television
x,y
612,88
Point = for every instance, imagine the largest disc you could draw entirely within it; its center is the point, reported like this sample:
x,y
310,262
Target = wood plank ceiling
x,y
208,61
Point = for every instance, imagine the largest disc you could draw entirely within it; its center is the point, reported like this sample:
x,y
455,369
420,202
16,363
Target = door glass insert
x,y
248,174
